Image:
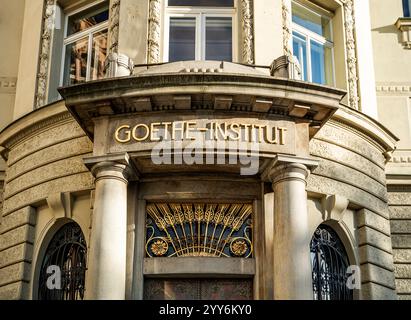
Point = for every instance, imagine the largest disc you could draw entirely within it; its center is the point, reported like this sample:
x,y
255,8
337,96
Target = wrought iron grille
x,y
329,261
67,250
199,229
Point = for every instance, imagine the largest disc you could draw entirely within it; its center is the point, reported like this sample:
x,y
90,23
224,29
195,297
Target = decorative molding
x,y
113,26
8,84
401,159
247,22
286,15
350,45
399,88
45,49
154,31
34,128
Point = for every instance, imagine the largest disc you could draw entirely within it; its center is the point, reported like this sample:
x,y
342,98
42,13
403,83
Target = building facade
x,y
208,149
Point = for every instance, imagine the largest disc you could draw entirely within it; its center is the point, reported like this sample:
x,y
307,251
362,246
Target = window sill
x,y
206,266
404,25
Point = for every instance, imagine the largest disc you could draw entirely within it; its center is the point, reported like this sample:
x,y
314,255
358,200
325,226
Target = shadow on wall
x,y
389,29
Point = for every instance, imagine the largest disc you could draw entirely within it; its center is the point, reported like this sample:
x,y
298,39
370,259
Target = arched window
x,y
65,256
329,263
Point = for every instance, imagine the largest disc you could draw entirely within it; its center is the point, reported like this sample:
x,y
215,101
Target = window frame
x,y
67,40
200,14
312,36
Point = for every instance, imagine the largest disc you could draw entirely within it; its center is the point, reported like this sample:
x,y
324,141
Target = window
x,y
67,250
329,266
199,30
406,4
312,44
85,44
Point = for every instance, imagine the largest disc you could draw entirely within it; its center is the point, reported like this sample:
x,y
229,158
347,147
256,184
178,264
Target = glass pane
x,y
300,51
75,68
321,67
407,8
202,3
87,18
219,43
98,55
182,39
312,21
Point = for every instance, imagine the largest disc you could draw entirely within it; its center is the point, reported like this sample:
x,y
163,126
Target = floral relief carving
x,y
154,29
45,49
350,46
113,28
248,31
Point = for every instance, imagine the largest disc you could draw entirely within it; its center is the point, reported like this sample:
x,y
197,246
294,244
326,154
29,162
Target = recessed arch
x,y
329,260
64,246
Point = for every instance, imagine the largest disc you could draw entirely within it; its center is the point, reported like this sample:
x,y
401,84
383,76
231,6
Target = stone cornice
x,y
212,91
31,123
374,131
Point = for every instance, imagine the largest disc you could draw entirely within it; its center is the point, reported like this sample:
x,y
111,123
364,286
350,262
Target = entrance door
x,y
198,289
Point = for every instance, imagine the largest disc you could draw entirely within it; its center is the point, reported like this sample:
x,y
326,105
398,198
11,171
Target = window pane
x,y
202,3
75,69
182,39
98,55
321,68
407,7
87,18
311,21
219,44
300,51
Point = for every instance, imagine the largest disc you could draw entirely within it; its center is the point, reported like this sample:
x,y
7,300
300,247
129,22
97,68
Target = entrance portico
x,y
247,116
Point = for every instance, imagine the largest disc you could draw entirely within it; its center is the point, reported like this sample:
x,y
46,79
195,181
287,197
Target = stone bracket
x,y
334,207
61,204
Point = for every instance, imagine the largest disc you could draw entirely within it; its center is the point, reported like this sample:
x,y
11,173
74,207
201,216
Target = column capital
x,y
117,166
288,168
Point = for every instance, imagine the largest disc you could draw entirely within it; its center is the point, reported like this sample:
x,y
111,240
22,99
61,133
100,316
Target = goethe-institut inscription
x,y
266,136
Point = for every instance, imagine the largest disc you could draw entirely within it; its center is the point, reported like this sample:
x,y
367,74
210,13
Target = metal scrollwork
x,y
219,230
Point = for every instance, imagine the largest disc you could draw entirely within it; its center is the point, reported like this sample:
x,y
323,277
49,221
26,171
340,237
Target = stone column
x,y
292,264
107,259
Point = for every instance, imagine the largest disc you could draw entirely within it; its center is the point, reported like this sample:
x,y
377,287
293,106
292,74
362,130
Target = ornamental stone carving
x,y
247,24
350,47
154,29
113,26
45,49
286,15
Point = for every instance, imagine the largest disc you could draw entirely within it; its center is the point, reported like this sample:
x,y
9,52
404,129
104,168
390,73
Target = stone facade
x,y
346,164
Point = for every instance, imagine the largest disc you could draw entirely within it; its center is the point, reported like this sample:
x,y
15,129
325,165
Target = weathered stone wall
x,y
399,199
352,166
44,158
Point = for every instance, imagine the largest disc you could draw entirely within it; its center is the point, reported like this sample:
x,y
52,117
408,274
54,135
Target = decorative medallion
x,y
238,247
159,248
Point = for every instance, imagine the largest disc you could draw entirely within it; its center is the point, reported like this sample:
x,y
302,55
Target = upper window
x,y
312,44
199,30
85,44
407,7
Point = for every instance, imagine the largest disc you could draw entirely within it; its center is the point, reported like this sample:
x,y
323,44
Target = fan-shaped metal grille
x,y
199,229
